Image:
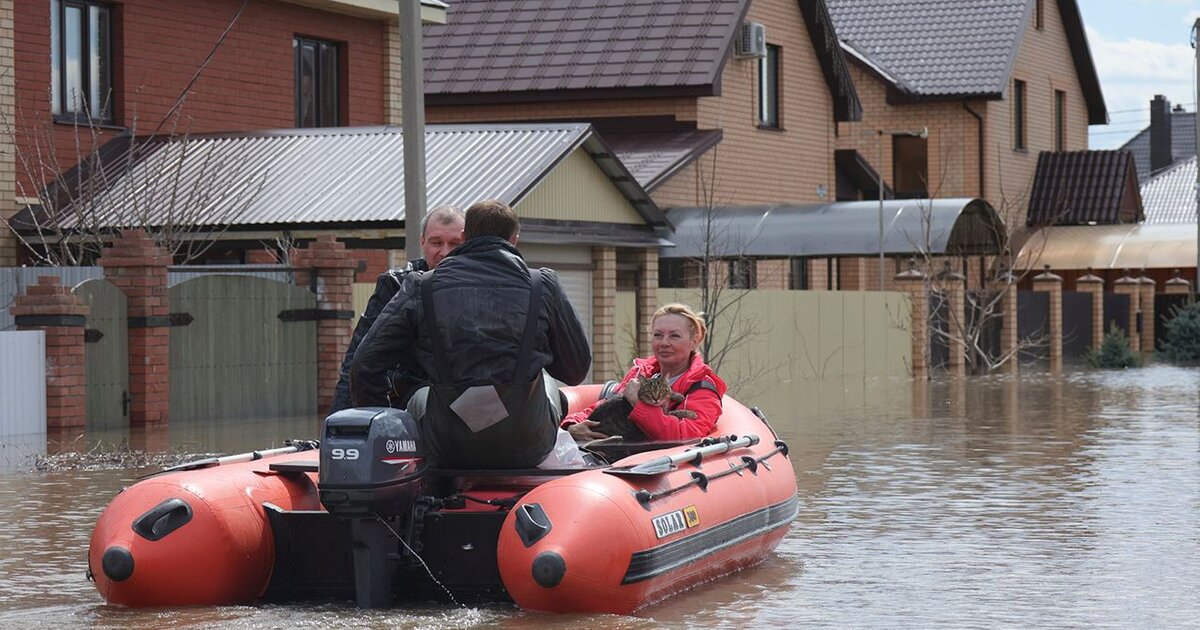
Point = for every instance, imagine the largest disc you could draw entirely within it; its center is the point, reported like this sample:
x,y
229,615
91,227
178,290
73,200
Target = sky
x,y
1140,48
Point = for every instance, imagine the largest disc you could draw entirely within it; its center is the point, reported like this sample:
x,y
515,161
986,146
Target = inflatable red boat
x,y
363,516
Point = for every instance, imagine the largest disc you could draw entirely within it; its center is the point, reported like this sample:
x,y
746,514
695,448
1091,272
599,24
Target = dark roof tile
x,y
1183,142
1084,187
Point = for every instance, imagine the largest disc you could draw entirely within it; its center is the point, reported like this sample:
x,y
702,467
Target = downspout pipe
x,y
979,126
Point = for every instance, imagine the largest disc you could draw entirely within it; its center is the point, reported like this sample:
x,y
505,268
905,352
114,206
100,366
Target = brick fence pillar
x,y
50,307
1126,285
604,313
1094,285
138,267
1146,295
334,269
1051,283
912,282
647,297
1177,285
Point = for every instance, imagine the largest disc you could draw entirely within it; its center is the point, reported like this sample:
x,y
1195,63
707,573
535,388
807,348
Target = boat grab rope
x,y
701,480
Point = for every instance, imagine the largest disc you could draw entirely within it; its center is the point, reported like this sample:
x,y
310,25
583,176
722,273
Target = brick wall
x,y
756,165
8,190
160,43
1045,64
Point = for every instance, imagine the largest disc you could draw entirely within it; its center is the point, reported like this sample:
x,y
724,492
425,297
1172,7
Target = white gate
x,y
22,383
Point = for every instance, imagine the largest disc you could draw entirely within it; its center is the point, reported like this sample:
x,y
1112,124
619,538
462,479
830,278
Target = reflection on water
x,y
1037,500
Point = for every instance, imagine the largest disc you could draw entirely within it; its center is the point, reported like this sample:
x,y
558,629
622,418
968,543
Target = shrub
x,y
1114,351
1182,342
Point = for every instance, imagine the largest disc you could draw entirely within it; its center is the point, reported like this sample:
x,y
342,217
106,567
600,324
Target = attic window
x,y
768,89
1039,15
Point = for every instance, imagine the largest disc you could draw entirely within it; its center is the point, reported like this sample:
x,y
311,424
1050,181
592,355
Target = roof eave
x,y
585,94
1085,69
846,106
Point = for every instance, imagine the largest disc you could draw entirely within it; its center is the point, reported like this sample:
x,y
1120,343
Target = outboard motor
x,y
371,463
372,472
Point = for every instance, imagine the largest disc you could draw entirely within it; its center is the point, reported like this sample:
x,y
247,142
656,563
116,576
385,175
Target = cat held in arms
x,y
613,414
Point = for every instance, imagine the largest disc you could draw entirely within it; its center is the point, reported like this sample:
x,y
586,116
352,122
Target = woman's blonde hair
x,y
695,322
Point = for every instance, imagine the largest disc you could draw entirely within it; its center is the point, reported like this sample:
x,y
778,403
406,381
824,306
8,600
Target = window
x,y
1039,15
1019,115
741,274
768,88
910,170
81,60
318,84
1060,120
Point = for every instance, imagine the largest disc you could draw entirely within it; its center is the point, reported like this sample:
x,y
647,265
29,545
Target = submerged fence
x,y
22,383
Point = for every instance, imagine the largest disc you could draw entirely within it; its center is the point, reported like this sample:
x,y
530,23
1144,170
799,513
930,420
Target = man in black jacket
x,y
484,326
441,232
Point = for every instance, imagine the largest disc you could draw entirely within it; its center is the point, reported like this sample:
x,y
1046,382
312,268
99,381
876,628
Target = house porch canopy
x,y
912,227
1128,246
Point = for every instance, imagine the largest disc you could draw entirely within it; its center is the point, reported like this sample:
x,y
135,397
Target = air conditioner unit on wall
x,y
752,42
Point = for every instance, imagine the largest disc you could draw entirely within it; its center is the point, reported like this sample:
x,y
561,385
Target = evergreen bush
x,y
1114,351
1182,342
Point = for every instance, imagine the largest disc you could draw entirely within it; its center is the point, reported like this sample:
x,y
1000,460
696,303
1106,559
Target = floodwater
x,y
1032,501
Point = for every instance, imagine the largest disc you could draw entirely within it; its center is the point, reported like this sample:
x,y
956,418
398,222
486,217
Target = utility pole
x,y
412,100
1196,107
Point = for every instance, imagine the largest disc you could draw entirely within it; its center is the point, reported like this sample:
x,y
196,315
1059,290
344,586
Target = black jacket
x,y
386,286
480,295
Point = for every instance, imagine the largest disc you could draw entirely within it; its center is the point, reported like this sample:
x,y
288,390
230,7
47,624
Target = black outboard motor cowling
x,y
371,462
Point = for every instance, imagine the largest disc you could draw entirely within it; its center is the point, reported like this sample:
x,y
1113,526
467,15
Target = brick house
x,y
699,113
815,120
87,70
994,84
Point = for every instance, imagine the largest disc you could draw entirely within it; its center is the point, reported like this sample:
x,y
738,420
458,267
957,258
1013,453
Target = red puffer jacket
x,y
656,424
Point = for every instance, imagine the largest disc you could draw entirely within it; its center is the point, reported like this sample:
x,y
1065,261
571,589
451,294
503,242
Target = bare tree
x,y
973,330
180,189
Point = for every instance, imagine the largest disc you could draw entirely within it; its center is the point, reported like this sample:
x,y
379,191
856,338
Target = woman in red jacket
x,y
676,332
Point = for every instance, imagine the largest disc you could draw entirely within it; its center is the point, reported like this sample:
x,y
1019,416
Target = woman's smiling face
x,y
673,342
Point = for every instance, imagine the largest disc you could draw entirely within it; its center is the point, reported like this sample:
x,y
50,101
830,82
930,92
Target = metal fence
x,y
22,383
13,280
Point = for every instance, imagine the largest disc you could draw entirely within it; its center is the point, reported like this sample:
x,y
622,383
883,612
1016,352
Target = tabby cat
x,y
613,414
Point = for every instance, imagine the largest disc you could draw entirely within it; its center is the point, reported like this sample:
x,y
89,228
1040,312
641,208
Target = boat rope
x,y
421,560
500,503
701,480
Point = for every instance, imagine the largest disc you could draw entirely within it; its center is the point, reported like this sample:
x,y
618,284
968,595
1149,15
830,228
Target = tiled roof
x,y
1170,195
652,157
948,48
934,47
339,175
1183,142
498,46
1082,187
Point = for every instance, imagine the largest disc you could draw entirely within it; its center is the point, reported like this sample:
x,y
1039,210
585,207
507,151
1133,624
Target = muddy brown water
x,y
1037,501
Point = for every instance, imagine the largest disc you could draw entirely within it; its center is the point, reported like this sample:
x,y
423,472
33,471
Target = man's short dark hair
x,y
441,215
491,218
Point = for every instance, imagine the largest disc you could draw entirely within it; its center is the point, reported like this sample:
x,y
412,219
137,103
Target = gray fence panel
x,y
1116,312
237,358
1164,311
22,383
1077,323
1033,324
13,281
107,357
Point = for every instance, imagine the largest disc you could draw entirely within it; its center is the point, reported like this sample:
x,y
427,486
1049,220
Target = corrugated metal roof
x,y
849,228
1080,187
342,175
1138,246
1183,142
1170,196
